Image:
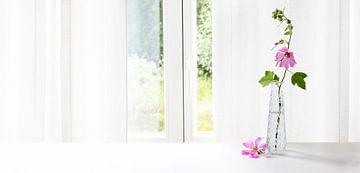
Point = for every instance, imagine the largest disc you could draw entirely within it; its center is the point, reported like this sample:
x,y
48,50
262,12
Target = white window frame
x,y
173,77
190,74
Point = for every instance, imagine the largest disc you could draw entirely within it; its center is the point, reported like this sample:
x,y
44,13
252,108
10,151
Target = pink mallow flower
x,y
285,58
255,149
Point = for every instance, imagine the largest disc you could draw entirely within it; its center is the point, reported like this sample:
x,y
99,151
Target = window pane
x,y
145,68
204,66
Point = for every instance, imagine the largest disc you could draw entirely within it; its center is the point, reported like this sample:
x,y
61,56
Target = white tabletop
x,y
181,158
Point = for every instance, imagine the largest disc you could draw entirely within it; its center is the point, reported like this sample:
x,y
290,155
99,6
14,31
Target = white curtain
x,y
244,33
45,96
17,71
354,121
29,71
98,70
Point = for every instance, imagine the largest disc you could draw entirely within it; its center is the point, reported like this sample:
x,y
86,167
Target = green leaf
x,y
269,77
276,78
288,33
298,79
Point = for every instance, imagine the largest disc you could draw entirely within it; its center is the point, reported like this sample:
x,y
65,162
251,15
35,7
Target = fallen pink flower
x,y
255,149
285,57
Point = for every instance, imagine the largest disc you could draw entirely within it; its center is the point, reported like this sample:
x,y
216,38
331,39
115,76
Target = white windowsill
x,y
175,157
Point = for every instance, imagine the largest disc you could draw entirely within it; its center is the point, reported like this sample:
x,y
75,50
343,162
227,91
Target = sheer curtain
x,y
30,103
354,121
17,71
244,33
98,70
47,96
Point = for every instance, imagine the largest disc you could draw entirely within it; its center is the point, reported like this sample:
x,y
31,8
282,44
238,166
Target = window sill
x,y
175,157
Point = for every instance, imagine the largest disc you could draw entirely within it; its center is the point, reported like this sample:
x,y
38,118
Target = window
x,y
169,76
145,68
204,66
154,75
198,70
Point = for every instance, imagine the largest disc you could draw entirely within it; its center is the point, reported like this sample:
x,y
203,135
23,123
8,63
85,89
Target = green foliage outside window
x,y
204,38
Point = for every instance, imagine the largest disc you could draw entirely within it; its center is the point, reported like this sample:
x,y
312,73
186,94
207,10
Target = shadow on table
x,y
316,157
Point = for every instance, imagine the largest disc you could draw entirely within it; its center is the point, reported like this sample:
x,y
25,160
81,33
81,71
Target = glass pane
x,y
145,67
204,66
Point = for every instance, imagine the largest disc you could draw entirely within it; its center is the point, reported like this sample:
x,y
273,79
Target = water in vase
x,y
276,132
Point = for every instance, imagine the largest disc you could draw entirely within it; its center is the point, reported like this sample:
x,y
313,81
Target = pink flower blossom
x,y
255,149
285,58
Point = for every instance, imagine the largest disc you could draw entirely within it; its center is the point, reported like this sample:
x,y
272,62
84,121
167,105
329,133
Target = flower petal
x,y
257,141
262,147
285,63
254,155
279,56
246,152
292,60
249,144
284,49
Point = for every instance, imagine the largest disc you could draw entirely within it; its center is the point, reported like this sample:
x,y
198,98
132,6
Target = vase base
x,y
272,151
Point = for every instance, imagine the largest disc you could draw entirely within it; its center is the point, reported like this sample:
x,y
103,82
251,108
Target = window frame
x,y
180,82
190,74
173,77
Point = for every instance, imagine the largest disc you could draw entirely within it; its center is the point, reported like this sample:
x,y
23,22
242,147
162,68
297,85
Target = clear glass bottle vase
x,y
276,132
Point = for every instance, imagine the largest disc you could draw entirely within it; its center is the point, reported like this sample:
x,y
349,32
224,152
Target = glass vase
x,y
276,132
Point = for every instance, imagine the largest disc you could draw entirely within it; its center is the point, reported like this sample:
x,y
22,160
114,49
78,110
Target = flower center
x,y
287,55
255,149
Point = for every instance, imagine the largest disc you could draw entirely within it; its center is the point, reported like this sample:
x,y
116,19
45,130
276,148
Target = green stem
x,y
290,71
279,96
288,43
282,80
